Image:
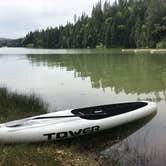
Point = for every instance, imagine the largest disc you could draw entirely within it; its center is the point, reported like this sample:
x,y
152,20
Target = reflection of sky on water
x,y
71,81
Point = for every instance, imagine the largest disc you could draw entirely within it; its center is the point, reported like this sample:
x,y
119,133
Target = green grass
x,y
45,154
15,106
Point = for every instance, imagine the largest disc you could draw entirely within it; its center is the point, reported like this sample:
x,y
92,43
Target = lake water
x,y
86,77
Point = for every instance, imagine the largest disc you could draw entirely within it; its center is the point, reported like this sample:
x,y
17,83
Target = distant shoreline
x,y
152,51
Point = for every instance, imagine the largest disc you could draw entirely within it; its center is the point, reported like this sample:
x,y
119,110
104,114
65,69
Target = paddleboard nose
x,y
153,106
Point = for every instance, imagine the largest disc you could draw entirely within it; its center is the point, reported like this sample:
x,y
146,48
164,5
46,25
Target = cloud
x,y
17,17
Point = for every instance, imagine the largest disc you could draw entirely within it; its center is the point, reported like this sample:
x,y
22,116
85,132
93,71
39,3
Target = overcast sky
x,y
17,17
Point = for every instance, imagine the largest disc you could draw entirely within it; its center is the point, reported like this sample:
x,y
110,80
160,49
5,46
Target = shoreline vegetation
x,y
16,106
124,23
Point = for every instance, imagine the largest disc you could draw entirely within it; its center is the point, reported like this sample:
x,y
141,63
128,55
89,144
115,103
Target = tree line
x,y
11,43
125,23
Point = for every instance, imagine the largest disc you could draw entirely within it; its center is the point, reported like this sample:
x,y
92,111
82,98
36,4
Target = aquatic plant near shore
x,y
14,105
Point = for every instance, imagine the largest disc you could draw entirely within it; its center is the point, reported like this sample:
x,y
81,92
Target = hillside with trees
x,y
125,23
10,42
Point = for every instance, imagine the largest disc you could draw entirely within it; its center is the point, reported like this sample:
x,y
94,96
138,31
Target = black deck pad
x,y
100,112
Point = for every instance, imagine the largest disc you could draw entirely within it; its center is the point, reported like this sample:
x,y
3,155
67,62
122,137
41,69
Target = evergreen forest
x,y
124,23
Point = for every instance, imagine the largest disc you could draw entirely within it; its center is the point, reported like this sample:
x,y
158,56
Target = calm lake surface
x,y
85,77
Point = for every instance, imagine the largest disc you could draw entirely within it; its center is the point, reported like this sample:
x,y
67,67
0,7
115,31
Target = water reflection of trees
x,y
129,73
